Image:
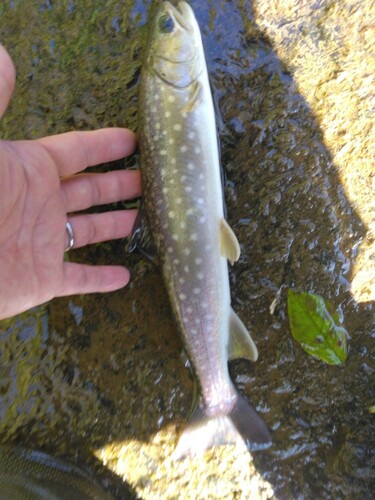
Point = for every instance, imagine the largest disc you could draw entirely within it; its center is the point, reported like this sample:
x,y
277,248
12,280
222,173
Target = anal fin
x,y
241,345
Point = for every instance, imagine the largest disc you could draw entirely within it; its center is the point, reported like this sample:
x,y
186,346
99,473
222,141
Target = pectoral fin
x,y
194,98
230,248
140,238
241,345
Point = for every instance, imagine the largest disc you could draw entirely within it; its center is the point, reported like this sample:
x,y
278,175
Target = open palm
x,y
39,187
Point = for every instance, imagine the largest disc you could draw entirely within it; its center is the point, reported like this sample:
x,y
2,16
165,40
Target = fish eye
x,y
166,24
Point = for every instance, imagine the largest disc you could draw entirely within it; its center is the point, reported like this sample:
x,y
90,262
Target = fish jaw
x,y
183,14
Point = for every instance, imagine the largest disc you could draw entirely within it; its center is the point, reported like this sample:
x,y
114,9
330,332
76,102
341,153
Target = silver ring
x,y
69,230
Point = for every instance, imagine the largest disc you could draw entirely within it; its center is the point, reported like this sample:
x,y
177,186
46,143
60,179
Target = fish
x,y
183,207
32,474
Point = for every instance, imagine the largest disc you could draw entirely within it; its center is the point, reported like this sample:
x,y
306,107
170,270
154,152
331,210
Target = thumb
x,y
7,79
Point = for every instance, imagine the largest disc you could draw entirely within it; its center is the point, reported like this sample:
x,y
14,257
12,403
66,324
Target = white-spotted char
x,y
183,200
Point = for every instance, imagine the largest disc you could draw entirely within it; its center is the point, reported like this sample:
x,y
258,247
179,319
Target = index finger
x,y
75,151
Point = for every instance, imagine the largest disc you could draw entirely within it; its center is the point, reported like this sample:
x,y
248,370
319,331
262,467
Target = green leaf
x,y
316,326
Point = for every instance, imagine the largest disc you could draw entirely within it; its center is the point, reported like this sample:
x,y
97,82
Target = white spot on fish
x,y
183,149
189,310
183,224
194,237
163,152
171,140
189,211
177,127
200,201
200,276
190,166
202,219
204,305
197,291
178,201
181,281
175,237
171,98
171,214
157,125
188,189
168,114
191,135
193,331
170,250
187,251
182,296
183,178
186,269
197,150
176,262
173,161
198,261
165,190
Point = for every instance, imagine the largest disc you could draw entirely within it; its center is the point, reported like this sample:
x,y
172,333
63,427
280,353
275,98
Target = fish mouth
x,y
183,14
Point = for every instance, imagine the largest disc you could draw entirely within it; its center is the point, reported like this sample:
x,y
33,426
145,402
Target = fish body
x,y
183,201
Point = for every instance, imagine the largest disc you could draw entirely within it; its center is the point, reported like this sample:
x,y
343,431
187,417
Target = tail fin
x,y
242,424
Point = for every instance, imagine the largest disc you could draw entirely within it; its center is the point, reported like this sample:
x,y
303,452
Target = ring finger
x,y
94,228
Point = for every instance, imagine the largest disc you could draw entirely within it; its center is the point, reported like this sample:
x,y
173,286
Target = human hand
x,y
39,187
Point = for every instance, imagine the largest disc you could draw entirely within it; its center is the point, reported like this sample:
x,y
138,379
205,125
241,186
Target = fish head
x,y
175,47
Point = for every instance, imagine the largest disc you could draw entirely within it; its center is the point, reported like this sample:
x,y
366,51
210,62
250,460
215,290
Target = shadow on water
x,y
108,368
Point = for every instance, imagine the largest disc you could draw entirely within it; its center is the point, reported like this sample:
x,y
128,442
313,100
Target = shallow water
x,y
84,372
